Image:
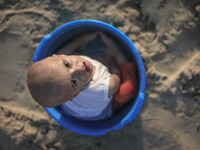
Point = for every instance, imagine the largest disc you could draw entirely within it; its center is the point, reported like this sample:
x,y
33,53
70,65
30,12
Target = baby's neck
x,y
93,72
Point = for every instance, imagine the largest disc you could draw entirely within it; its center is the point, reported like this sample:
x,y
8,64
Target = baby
x,y
84,86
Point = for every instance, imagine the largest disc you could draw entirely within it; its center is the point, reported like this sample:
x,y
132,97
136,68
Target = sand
x,y
166,35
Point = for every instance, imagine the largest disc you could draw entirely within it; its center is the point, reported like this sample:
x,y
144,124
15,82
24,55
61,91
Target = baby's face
x,y
71,72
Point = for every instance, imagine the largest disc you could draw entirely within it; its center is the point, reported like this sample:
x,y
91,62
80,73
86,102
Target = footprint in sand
x,y
180,54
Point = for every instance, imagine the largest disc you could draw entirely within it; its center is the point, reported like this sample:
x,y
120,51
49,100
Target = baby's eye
x,y
74,81
67,64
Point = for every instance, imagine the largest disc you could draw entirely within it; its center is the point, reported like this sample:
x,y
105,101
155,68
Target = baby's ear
x,y
76,94
73,96
54,55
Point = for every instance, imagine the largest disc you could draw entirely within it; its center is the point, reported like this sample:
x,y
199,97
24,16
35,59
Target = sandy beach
x,y
167,37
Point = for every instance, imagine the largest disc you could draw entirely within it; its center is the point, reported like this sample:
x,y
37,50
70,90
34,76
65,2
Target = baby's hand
x,y
89,36
107,40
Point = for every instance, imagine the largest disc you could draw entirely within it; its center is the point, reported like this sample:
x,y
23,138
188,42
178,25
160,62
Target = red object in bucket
x,y
128,87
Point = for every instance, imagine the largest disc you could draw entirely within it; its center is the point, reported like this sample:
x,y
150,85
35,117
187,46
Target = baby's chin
x,y
91,74
89,80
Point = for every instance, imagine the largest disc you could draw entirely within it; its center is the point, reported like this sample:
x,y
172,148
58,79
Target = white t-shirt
x,y
92,103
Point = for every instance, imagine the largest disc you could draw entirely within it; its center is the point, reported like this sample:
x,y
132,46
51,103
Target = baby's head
x,y
58,78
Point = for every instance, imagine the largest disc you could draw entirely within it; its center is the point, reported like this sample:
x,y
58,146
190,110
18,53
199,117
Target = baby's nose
x,y
79,69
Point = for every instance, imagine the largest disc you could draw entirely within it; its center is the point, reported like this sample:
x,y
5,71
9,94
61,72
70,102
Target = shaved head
x,y
44,86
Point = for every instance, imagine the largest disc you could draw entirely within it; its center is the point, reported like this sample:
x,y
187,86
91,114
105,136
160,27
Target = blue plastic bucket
x,y
56,39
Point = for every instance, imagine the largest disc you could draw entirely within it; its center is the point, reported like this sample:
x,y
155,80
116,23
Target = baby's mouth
x,y
87,67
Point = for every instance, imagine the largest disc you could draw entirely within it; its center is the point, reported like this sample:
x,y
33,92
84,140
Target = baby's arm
x,y
78,43
113,48
115,77
112,64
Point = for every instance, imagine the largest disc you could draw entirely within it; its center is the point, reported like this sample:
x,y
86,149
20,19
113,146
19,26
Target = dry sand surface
x,y
165,33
